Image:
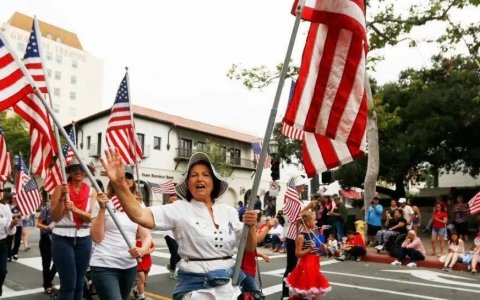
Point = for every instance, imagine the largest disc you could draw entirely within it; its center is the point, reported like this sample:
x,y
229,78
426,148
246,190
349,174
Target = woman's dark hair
x,y
450,240
216,182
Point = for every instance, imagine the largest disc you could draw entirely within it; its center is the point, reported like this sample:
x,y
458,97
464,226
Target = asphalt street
x,y
349,280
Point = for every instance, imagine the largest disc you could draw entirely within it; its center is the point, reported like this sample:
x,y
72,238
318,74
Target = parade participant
x,y
13,240
143,268
46,224
71,242
411,247
113,265
456,249
306,279
8,227
173,246
297,183
205,230
439,228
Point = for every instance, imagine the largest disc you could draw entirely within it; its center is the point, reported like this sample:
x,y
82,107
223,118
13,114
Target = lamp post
x,y
274,161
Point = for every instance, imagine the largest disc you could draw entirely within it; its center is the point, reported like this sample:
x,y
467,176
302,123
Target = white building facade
x,y
168,142
75,76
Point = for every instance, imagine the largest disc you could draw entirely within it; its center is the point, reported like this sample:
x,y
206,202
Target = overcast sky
x,y
178,52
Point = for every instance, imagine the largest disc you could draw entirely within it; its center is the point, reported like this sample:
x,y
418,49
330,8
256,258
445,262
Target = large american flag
x,y
116,204
292,208
120,131
13,83
329,102
257,150
287,130
54,174
5,165
28,196
164,188
474,204
42,141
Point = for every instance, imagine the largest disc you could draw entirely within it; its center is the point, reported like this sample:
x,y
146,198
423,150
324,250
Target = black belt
x,y
209,259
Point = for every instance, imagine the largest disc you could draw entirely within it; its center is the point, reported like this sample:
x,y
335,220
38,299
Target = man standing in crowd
x,y
374,219
338,216
407,212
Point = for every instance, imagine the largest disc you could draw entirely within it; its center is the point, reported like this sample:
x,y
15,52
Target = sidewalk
x,y
429,262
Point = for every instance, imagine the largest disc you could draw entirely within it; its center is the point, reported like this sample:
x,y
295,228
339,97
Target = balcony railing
x,y
235,162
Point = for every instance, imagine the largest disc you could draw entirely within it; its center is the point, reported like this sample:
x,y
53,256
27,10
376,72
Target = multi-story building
x,y
168,142
75,76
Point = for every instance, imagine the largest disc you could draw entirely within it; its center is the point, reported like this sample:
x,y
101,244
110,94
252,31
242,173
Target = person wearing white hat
x,y
408,212
206,231
113,265
71,242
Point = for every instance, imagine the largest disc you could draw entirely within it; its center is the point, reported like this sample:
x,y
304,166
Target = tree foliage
x,y
16,135
218,157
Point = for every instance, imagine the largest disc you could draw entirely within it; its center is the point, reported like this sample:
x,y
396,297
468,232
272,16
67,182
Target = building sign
x,y
274,189
145,175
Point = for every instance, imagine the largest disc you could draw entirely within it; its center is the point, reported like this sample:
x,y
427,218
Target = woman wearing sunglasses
x,y
71,242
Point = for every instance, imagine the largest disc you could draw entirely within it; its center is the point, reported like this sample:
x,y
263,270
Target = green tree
x,y
16,135
218,157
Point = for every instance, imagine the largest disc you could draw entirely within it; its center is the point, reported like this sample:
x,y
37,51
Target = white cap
x,y
299,180
402,200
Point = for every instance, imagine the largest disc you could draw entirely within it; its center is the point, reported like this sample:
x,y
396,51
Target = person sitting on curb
x,y
476,253
332,245
354,247
395,226
413,248
456,249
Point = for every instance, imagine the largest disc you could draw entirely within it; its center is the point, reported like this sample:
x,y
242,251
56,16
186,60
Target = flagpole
x,y
60,156
74,134
65,135
266,139
133,142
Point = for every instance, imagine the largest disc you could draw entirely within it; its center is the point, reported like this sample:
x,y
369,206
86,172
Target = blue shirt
x,y
374,216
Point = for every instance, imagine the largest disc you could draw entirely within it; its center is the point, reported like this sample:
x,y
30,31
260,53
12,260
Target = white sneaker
x,y
396,263
412,265
379,247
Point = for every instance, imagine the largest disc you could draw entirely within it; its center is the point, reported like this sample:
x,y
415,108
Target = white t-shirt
x,y
196,235
112,252
5,220
408,215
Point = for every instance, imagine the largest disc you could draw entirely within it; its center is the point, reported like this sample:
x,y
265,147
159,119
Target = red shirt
x,y
437,224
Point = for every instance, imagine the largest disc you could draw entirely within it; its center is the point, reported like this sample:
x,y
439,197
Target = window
x,y
74,63
141,140
89,141
72,111
99,143
185,148
157,143
59,59
56,92
58,75
49,73
49,55
73,96
234,156
201,146
73,79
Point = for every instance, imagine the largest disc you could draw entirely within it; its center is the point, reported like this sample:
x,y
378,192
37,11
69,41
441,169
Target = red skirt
x,y
306,279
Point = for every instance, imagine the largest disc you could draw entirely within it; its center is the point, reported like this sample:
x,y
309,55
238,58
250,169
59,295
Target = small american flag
x,y
164,188
13,84
5,166
291,209
116,204
120,131
28,196
66,150
474,204
257,150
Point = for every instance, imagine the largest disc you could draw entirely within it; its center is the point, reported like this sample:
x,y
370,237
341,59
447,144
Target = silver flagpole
x,y
65,135
60,156
133,142
266,139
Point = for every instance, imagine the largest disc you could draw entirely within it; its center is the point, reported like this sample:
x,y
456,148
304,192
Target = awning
x,y
351,194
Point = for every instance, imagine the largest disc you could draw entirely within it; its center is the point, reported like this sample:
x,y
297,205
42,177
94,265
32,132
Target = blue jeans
x,y
112,283
71,257
412,253
338,224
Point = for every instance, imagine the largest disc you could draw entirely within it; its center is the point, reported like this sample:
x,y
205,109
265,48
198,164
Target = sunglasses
x,y
76,168
128,176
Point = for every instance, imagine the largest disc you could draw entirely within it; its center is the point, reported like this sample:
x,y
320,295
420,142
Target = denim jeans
x,y
338,224
71,257
412,253
113,283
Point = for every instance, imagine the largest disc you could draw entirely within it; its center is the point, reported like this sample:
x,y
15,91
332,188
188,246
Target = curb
x,y
386,259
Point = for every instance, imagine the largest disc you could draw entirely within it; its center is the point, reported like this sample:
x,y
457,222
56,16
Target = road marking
x,y
8,293
437,277
155,296
280,272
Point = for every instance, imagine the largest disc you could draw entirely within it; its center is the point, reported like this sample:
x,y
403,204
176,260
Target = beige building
x,y
75,76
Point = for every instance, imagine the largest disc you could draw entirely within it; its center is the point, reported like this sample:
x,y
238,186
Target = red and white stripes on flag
x,y
291,132
329,100
291,209
53,179
28,196
116,204
5,165
120,130
13,83
43,145
474,204
167,188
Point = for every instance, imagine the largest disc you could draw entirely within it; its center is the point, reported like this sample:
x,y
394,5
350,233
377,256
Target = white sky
x,y
178,52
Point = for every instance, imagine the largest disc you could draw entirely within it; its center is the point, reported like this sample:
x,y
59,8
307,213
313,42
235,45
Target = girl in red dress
x,y
306,280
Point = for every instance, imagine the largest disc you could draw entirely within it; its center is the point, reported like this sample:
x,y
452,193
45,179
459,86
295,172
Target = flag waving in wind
x,y
43,145
329,102
28,196
167,188
257,150
120,131
5,166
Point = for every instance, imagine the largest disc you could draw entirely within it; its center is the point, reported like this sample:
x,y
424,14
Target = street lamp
x,y
273,146
274,161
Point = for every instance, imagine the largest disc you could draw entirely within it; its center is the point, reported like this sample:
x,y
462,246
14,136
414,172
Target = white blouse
x,y
196,234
